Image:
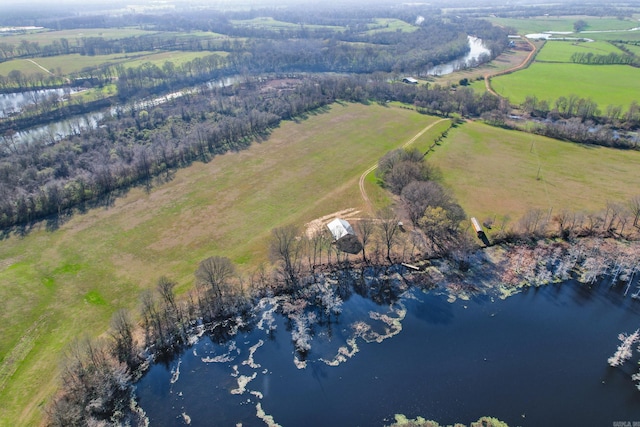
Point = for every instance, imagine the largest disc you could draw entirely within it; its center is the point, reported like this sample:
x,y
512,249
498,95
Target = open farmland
x,y
178,58
22,65
58,285
75,36
634,48
604,84
497,172
75,63
561,51
553,74
564,23
273,24
388,24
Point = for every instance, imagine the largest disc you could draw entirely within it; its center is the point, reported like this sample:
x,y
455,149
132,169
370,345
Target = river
x,y
538,358
476,50
11,103
15,102
63,128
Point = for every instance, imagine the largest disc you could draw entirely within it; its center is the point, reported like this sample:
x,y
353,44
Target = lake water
x,y
477,49
538,358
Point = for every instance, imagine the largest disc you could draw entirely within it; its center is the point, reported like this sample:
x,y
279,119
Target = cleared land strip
x,y
363,192
524,64
13,359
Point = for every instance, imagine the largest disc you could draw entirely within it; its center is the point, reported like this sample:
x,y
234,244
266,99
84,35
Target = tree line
x,y
136,146
608,59
581,120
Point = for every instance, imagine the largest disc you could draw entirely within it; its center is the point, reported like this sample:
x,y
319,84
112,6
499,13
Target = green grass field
x,y
75,63
58,285
561,51
268,23
635,49
563,23
552,74
74,36
62,284
177,57
24,66
604,84
494,172
390,24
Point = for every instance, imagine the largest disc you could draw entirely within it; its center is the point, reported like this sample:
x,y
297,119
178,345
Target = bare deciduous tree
x,y
365,228
122,333
388,226
634,205
533,222
214,272
285,248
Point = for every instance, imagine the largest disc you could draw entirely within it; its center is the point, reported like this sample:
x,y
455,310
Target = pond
x,y
537,358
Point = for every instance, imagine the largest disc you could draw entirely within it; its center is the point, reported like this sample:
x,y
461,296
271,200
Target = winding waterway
x,y
476,50
15,102
58,130
538,358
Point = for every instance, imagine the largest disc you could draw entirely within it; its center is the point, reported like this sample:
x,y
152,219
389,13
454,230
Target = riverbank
x,y
317,298
361,332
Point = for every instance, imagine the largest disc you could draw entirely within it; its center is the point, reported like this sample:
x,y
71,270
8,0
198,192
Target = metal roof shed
x,y
340,228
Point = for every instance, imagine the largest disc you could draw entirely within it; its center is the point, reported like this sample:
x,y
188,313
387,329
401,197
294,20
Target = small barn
x,y
410,80
344,236
477,228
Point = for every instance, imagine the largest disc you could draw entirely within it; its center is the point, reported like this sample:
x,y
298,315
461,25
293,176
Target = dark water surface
x,y
538,358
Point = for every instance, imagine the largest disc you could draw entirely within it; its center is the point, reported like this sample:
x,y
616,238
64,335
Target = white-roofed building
x,y
344,236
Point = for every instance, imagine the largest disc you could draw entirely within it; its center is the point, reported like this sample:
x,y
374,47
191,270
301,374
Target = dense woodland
x,y
433,42
138,146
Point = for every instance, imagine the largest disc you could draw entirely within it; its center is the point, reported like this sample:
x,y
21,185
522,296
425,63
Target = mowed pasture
x,y
390,25
604,84
269,23
57,286
75,63
74,36
561,51
564,23
496,172
635,49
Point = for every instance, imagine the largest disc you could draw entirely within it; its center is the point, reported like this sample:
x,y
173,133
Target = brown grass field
x,y
56,286
496,172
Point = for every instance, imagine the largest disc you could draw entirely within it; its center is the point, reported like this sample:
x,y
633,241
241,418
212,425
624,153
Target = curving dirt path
x,y
39,66
363,192
524,64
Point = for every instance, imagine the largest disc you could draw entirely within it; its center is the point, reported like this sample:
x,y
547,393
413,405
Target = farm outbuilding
x,y
477,228
344,236
410,80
